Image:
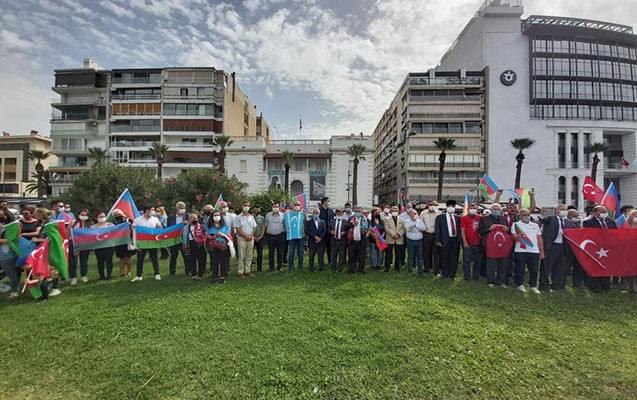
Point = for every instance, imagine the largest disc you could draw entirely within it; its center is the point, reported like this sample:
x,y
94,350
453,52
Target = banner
x,y
604,252
100,238
381,243
155,238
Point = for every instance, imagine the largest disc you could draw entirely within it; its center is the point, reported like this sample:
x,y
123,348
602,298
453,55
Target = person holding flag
x,y
218,244
81,223
104,255
52,283
599,219
124,252
148,221
529,250
630,282
376,225
8,239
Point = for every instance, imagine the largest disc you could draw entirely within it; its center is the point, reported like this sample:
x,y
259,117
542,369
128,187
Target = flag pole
x,y
110,213
27,278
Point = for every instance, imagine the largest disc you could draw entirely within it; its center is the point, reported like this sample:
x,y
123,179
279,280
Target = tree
x,y
595,149
98,155
222,141
288,156
443,144
42,184
159,151
266,198
39,155
520,144
356,151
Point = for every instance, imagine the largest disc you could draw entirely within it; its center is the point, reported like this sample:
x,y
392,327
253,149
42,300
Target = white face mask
x,y
216,218
83,217
386,211
413,217
451,210
275,210
432,208
473,211
603,215
225,209
101,220
246,209
181,211
575,219
297,208
563,213
67,209
394,214
153,213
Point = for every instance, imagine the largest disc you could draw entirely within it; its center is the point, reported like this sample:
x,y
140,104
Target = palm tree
x,y
356,151
98,154
443,144
41,184
596,148
159,151
222,141
39,155
520,144
287,157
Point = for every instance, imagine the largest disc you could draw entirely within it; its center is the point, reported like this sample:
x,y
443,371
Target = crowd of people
x,y
435,240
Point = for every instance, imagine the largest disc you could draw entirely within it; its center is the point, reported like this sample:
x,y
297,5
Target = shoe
x,y
73,281
198,278
222,281
491,285
241,276
535,290
250,274
158,277
194,277
13,295
504,286
55,292
136,279
522,289
84,279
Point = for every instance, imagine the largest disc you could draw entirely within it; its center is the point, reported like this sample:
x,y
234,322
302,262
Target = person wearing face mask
x,y
259,236
160,213
218,245
124,252
326,214
431,257
294,229
408,208
386,211
394,235
448,239
414,228
227,216
193,248
376,255
357,242
472,249
553,270
338,228
629,283
579,278
347,211
67,209
529,250
180,217
498,264
245,227
599,219
104,255
275,236
82,222
316,233
149,221
7,256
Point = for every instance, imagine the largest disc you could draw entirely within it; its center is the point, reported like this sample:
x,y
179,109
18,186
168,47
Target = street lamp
x,y
349,174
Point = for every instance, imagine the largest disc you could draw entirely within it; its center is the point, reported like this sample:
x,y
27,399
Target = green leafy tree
x,y
266,198
222,141
42,184
288,156
443,144
356,151
159,151
38,156
520,144
595,149
98,154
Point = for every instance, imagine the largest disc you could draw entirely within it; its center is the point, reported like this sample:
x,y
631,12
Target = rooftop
x,y
535,20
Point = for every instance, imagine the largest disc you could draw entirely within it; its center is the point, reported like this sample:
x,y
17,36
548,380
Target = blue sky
x,y
335,63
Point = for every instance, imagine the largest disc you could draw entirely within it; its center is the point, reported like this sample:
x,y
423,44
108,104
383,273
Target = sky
x,y
335,64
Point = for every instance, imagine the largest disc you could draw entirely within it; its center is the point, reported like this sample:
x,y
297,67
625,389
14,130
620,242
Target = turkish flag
x,y
498,243
591,191
604,252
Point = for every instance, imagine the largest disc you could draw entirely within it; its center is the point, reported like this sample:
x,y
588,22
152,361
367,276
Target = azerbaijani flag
x,y
622,222
125,203
487,186
302,198
525,240
611,200
58,247
155,238
68,219
401,206
99,238
381,243
219,200
523,196
467,200
12,233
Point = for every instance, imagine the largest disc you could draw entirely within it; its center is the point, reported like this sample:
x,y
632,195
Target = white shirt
x,y
337,228
414,229
532,230
151,222
229,219
245,223
456,228
559,239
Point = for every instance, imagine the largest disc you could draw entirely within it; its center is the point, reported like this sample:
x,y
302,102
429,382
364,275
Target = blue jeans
x,y
376,256
73,261
414,251
295,245
472,254
10,271
530,261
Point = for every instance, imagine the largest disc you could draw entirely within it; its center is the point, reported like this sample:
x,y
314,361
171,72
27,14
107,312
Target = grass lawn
x,y
321,335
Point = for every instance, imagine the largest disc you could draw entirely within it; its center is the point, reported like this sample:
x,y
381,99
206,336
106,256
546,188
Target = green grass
x,y
322,335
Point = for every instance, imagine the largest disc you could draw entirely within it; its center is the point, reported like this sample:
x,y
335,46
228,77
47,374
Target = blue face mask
x,y
358,215
315,217
496,213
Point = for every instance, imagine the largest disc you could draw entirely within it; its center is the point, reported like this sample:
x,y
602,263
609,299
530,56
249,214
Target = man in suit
x,y
357,238
394,235
554,265
579,277
179,217
326,214
430,250
599,220
448,240
316,233
338,229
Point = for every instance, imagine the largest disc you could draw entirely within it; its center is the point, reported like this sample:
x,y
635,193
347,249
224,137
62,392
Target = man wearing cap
x,y
294,229
448,240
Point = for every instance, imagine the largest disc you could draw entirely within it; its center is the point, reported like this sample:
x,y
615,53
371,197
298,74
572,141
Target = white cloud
x,y
269,92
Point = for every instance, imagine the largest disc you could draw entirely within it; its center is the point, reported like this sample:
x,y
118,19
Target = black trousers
x,y
397,249
141,255
430,253
554,268
356,252
339,250
599,285
105,260
317,249
219,263
328,247
174,252
195,259
275,243
497,270
258,245
449,258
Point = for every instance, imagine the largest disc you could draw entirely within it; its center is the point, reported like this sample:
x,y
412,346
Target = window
x,y
299,165
189,141
201,92
440,128
575,191
473,127
561,190
574,150
455,127
183,92
561,150
243,166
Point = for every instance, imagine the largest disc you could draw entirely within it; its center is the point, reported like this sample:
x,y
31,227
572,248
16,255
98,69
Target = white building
x,y
564,82
319,168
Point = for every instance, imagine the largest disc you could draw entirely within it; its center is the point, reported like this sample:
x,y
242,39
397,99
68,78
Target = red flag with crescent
x,y
591,191
499,243
604,252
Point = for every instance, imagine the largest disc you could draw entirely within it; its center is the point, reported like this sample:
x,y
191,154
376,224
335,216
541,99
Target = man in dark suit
x,y
316,233
554,267
579,277
179,217
448,239
338,229
497,268
357,237
599,220
326,214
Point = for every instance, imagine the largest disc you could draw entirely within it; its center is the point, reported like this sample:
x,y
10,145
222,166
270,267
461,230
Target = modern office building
x,y
127,110
16,169
565,82
319,167
429,106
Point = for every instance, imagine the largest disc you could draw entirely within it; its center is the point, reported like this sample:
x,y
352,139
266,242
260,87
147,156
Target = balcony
x,y
206,147
132,143
447,165
135,128
143,162
463,181
125,97
78,101
137,80
72,116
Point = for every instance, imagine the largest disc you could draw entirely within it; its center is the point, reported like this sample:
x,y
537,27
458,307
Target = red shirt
x,y
470,225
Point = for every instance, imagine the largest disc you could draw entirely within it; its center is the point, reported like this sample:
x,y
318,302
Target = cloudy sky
x,y
335,63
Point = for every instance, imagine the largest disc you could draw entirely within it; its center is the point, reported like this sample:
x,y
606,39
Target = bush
x,y
265,199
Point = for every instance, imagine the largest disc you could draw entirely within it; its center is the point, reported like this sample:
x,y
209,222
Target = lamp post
x,y
349,174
